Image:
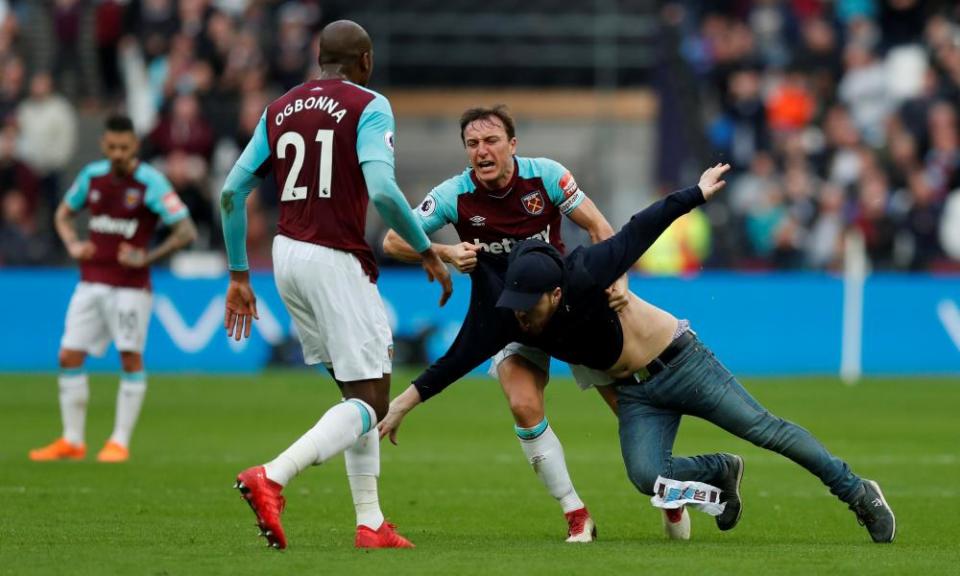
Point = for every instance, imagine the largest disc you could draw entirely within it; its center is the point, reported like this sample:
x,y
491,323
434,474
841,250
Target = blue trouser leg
x,y
696,384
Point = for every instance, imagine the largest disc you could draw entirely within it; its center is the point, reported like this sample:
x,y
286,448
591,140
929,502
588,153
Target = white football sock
x,y
363,470
133,388
74,394
338,429
544,452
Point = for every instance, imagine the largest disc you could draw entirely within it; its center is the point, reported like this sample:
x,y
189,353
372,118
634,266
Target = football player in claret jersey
x,y
125,198
329,144
499,200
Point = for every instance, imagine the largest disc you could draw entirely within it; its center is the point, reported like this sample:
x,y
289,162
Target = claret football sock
x,y
338,429
545,454
133,388
363,470
74,394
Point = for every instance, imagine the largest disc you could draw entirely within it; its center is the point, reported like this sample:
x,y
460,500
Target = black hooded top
x,y
584,330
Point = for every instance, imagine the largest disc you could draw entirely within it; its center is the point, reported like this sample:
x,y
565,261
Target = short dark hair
x,y
497,111
118,123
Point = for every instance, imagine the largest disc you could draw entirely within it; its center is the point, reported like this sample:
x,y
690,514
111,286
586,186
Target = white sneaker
x,y
580,526
676,523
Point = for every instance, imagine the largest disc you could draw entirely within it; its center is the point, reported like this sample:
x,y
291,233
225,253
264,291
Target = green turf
x,y
459,487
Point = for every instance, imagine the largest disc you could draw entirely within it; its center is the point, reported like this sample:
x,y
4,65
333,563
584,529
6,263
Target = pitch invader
x,y
125,198
329,144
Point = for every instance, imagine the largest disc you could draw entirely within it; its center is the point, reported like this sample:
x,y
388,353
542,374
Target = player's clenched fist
x,y
463,256
710,180
81,249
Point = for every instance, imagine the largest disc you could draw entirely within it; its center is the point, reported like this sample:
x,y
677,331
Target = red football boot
x,y
263,496
580,526
384,537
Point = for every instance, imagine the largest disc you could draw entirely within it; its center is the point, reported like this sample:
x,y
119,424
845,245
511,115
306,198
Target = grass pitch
x,y
459,487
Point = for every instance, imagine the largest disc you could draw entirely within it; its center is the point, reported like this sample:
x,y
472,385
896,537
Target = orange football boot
x,y
113,452
59,450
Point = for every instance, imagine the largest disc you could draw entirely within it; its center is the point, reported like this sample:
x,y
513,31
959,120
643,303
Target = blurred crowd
x,y
195,75
836,116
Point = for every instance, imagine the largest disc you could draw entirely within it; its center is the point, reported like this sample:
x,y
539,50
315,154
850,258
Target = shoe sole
x,y
737,492
264,531
892,515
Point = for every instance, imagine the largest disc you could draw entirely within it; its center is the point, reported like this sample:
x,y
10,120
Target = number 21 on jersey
x,y
291,191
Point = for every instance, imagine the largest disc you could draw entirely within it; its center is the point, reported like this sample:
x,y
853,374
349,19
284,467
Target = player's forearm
x,y
406,401
392,206
63,221
233,215
397,248
182,234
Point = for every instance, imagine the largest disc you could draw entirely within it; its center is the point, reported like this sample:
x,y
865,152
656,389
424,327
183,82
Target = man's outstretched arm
x,y
611,258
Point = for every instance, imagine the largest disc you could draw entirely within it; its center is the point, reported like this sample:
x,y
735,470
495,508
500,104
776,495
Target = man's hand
x,y
710,180
618,294
402,404
463,256
81,249
390,424
437,270
241,306
130,256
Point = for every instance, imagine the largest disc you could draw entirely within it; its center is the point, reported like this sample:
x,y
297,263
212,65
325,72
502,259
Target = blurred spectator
x,y
921,222
183,129
864,90
790,105
48,134
67,22
109,31
12,73
292,53
942,163
21,244
15,174
825,242
742,131
874,218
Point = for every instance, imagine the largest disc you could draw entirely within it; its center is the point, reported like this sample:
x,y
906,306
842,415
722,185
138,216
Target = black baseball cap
x,y
529,275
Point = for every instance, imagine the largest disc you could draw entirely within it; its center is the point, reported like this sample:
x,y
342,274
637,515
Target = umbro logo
x,y
877,503
478,220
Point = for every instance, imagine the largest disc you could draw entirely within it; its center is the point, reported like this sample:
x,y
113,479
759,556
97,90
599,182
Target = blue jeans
x,y
695,383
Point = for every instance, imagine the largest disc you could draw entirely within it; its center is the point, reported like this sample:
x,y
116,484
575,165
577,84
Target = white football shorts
x,y
338,312
586,377
100,313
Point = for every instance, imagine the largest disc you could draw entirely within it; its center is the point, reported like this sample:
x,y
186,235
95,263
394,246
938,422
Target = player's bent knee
x,y
71,358
131,361
527,411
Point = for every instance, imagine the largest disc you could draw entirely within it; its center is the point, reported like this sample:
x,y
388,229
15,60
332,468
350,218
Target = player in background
x,y
498,201
125,197
329,144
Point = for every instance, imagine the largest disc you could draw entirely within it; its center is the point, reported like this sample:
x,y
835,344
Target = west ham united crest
x,y
131,199
533,203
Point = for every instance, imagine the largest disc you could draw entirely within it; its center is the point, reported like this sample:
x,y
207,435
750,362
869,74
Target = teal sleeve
x,y
391,204
560,185
233,214
439,207
257,152
375,132
160,197
76,195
